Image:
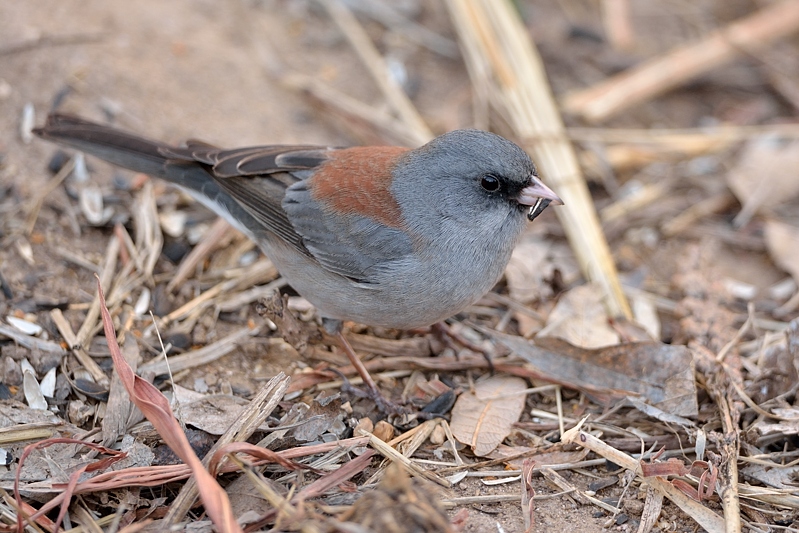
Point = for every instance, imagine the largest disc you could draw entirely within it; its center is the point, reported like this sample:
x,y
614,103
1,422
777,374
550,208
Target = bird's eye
x,y
490,183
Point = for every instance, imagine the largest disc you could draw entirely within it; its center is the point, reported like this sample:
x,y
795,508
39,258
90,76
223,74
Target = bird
x,y
378,235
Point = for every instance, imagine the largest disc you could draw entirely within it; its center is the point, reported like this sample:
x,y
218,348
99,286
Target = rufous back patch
x,y
358,181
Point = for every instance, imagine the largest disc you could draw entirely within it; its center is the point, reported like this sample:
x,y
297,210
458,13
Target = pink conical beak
x,y
538,196
535,191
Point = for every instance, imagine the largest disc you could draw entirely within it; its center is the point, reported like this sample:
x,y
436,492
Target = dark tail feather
x,y
112,145
142,155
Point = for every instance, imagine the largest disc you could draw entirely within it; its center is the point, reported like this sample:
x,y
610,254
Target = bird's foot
x,y
383,404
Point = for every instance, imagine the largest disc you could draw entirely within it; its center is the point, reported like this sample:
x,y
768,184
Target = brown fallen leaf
x,y
529,266
764,176
67,490
663,374
789,425
535,263
782,241
212,413
779,478
780,373
483,418
581,318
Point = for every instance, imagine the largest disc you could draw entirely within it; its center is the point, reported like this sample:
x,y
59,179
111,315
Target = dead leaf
x,y
788,426
66,489
782,241
534,262
764,176
779,478
778,371
324,415
245,496
661,373
213,413
658,414
483,418
580,318
528,267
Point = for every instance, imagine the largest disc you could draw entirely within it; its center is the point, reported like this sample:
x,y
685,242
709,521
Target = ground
x,y
206,70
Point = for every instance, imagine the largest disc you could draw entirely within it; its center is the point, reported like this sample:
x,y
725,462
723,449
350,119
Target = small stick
x,y
208,244
107,276
706,518
65,329
684,63
366,50
38,200
200,357
393,455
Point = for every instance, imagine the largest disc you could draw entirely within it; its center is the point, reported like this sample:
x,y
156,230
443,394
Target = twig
x,y
390,453
85,518
695,212
203,356
728,470
77,259
683,64
244,298
350,107
253,274
91,320
583,498
750,320
449,503
65,329
149,239
366,50
208,244
46,41
31,342
384,13
703,516
38,200
490,462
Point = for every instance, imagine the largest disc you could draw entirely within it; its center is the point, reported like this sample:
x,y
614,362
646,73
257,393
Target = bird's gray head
x,y
467,179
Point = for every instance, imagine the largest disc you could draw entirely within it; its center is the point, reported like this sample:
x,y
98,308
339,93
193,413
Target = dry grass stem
x,y
685,63
703,516
201,251
374,62
501,60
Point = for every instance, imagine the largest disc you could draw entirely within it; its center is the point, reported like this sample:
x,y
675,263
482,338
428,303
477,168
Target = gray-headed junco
x,y
379,235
